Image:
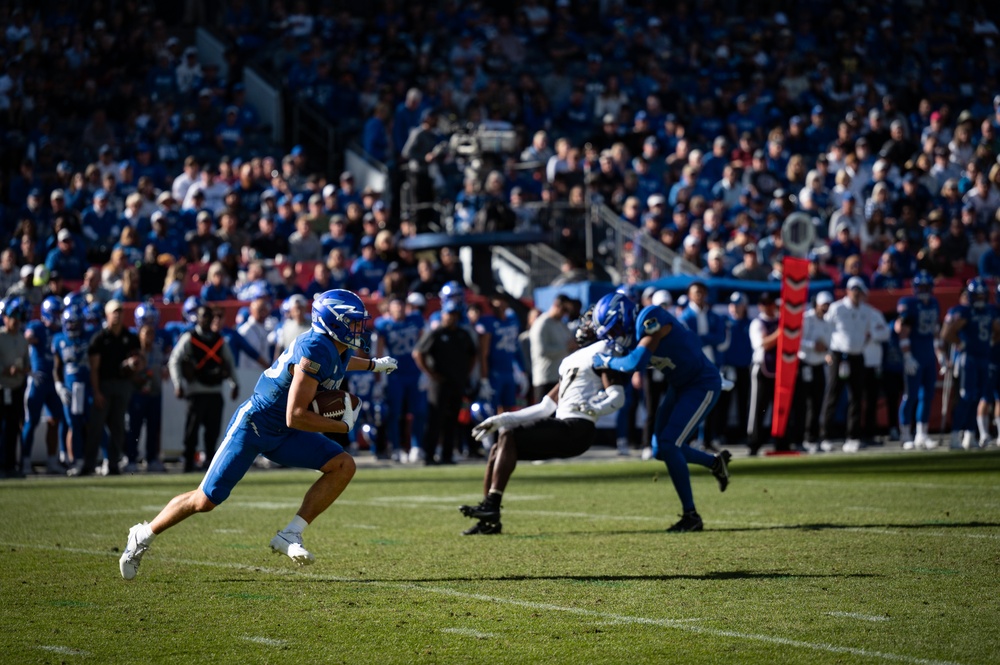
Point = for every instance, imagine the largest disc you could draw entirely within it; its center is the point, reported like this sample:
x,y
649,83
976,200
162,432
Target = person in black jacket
x,y
446,355
199,364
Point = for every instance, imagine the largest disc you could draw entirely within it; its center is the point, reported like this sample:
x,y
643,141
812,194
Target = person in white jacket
x,y
803,427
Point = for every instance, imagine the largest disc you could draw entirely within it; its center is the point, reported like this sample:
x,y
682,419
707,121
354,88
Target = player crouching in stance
x,y
655,338
277,422
561,426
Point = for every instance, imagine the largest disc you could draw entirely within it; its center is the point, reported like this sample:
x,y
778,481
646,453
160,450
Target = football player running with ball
x,y
562,425
655,338
277,422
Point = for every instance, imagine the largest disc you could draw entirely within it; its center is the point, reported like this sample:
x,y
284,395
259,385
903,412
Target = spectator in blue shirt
x,y
375,139
989,262
216,289
64,259
367,272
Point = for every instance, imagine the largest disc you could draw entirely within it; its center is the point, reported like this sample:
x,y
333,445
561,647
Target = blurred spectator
x,y
551,341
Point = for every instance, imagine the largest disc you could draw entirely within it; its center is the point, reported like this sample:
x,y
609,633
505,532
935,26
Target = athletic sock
x,y
493,498
145,535
679,475
297,525
984,426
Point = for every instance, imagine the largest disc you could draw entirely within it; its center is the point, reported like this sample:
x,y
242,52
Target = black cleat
x,y
689,522
483,529
720,469
483,512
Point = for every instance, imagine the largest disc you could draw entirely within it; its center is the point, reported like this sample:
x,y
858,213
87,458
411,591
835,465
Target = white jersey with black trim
x,y
578,382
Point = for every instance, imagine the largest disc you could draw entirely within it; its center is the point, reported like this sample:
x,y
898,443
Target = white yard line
x,y
677,624
855,615
468,632
65,651
266,641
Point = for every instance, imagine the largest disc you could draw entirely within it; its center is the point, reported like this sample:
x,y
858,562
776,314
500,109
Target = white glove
x,y
584,408
490,425
485,389
727,385
910,364
386,365
350,414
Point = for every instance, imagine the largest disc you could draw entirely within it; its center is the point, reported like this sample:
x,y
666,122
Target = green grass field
x,y
863,559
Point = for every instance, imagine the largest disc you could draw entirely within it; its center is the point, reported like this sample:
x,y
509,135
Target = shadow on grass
x,y
718,575
820,526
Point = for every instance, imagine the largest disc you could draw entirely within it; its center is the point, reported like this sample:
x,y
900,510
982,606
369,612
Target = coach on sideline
x,y
854,323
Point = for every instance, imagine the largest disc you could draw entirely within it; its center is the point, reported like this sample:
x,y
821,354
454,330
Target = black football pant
x,y
444,401
204,414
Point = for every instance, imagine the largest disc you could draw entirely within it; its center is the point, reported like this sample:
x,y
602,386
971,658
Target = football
x,y
330,403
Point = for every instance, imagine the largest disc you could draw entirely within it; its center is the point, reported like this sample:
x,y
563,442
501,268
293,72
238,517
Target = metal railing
x,y
617,244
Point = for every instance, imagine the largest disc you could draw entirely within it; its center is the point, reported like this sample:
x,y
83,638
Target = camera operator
x,y
422,148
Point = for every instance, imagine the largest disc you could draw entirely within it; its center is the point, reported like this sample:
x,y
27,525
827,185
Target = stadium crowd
x,y
132,171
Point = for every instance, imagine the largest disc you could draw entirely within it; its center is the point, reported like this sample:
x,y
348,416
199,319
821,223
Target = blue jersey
x,y
977,333
39,350
174,329
740,351
239,345
922,316
678,355
504,350
73,352
310,352
995,349
400,339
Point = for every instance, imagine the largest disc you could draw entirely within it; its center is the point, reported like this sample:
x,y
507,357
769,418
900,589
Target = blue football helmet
x,y
94,314
190,309
76,298
614,319
452,291
52,309
978,293
630,291
480,410
72,320
923,283
146,314
16,308
340,314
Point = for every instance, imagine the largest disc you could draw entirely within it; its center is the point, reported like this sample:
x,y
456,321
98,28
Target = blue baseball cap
x,y
297,150
641,116
367,241
224,250
817,110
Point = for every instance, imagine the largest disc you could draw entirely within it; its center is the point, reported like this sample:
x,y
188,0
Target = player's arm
x,y
952,326
298,415
611,399
638,359
525,416
356,364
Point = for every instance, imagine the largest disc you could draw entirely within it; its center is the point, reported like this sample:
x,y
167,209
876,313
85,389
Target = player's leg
x,y
191,426
55,428
927,377
154,433
310,450
416,406
211,422
909,408
133,431
995,387
33,400
239,448
983,405
394,406
676,419
965,408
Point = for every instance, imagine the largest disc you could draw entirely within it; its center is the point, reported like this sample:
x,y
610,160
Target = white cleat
x,y
290,544
647,453
826,446
852,446
416,455
909,445
984,442
129,562
968,441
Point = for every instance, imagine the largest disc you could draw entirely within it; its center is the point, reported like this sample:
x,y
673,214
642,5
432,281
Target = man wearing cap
x,y
422,148
751,269
115,356
810,386
854,324
64,258
15,364
9,273
199,364
446,354
849,215
764,334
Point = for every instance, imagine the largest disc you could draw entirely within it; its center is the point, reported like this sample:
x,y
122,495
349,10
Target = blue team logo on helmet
x,y
52,309
341,315
190,309
978,293
614,319
146,314
73,319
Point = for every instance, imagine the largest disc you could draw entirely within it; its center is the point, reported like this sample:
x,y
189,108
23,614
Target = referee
x,y
854,323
